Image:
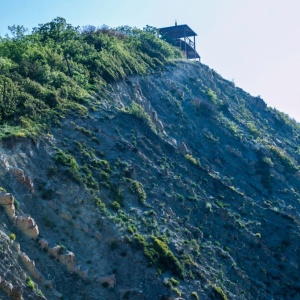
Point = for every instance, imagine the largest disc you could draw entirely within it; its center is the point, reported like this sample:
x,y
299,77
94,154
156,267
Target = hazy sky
x,y
254,42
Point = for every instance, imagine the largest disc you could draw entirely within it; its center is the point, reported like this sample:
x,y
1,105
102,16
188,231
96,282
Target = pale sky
x,y
256,43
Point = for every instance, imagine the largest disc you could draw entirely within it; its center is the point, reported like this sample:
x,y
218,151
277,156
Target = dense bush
x,y
163,258
57,66
284,159
70,163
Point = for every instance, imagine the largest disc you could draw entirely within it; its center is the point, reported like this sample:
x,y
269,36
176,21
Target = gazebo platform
x,y
179,36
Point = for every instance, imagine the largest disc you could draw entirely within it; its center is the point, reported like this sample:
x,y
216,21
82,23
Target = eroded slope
x,y
177,183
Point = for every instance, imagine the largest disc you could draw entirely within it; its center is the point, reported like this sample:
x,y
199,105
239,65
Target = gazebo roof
x,y
177,31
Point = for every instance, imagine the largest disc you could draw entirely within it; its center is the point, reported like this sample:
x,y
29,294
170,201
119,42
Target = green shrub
x,y
164,258
70,162
192,160
174,282
138,111
212,96
252,128
12,236
117,195
140,241
258,235
219,293
100,204
30,283
284,159
115,206
138,189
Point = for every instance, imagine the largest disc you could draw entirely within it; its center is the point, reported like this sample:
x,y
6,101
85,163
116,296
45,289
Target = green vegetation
x,y
192,160
67,160
33,287
57,68
284,159
195,295
138,189
100,204
171,282
160,256
12,236
219,293
139,112
115,205
212,96
188,214
30,283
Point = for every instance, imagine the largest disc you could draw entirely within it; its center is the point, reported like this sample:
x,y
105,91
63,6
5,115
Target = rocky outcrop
x,y
65,257
25,223
259,103
68,260
7,200
6,286
183,148
14,292
20,175
30,266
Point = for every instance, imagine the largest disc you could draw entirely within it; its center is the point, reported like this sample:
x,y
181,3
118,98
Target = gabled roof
x,y
177,31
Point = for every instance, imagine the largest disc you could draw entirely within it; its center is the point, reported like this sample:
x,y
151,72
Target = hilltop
x,y
135,174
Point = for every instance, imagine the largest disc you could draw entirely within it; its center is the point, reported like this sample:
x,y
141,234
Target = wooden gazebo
x,y
179,36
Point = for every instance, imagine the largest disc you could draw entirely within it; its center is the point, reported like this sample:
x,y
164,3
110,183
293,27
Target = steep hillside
x,y
172,183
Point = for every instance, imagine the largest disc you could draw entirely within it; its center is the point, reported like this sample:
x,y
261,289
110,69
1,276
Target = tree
x,y
8,97
57,30
18,32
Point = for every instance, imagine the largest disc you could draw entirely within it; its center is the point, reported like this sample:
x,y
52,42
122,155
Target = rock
x,y
30,265
57,294
83,273
68,260
54,251
10,211
195,102
154,116
27,225
5,163
172,142
259,103
160,126
6,286
17,247
19,174
109,281
66,215
6,199
16,293
28,182
183,148
143,157
132,295
44,244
